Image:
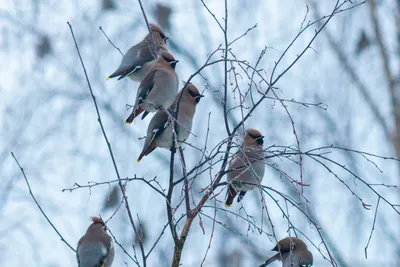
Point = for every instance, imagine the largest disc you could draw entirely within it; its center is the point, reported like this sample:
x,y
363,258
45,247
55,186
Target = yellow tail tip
x,y
128,122
228,205
138,160
108,78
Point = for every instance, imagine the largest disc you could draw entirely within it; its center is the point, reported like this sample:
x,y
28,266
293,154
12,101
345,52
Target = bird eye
x,y
163,36
105,228
168,59
252,136
192,94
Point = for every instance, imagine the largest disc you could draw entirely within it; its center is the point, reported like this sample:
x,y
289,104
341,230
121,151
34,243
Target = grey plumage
x,y
96,247
293,253
247,166
158,88
159,130
137,61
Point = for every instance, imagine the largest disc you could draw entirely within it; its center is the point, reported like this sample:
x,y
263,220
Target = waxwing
x,y
140,57
246,166
159,131
158,88
293,252
95,248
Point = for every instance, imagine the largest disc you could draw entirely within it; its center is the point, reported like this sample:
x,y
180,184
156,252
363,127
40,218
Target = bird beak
x,y
260,140
173,63
166,38
198,97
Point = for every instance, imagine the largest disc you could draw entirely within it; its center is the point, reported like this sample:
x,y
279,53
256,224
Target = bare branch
x,y
119,50
38,205
373,227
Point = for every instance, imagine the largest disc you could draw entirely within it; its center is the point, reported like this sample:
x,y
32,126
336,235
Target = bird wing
x,y
146,86
270,260
133,60
242,160
158,124
157,86
145,54
239,162
235,165
109,257
156,127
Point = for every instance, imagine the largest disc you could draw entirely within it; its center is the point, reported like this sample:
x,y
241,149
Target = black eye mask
x,y
196,96
169,59
259,139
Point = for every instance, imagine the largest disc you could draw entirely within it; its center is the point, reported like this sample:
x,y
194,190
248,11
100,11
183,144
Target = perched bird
x,y
247,165
158,88
140,57
293,252
95,248
159,131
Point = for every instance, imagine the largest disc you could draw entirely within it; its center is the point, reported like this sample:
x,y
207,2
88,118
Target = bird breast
x,y
292,260
246,167
183,130
163,92
91,254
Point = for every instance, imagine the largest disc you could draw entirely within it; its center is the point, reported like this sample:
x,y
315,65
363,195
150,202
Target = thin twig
x,y
153,45
373,227
168,200
38,205
119,50
249,29
228,131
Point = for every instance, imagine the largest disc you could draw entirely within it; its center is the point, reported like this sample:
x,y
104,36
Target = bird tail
x,y
231,196
149,147
117,73
145,152
135,112
270,260
112,76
